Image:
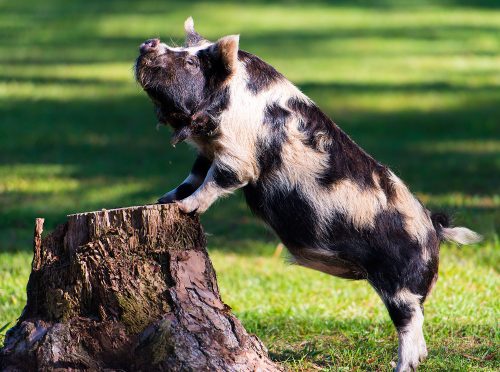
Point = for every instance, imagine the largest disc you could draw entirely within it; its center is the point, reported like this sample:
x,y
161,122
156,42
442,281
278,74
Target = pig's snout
x,y
149,46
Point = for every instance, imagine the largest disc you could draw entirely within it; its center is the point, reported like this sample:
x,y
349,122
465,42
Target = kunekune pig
x,y
335,208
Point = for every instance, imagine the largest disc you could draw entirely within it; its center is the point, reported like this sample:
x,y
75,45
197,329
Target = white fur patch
x,y
404,296
417,221
190,50
206,194
361,206
327,262
241,123
412,348
461,235
189,25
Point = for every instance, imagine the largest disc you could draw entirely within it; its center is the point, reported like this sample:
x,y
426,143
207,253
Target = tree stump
x,y
129,289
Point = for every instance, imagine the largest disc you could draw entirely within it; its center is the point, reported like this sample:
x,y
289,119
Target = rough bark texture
x,y
127,289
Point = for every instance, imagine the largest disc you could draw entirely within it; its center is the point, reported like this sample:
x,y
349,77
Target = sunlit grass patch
x,y
308,318
64,92
14,271
66,73
32,179
461,200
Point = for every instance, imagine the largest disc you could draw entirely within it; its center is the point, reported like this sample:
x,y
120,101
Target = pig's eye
x,y
191,62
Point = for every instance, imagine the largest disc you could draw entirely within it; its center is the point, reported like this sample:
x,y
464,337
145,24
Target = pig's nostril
x,y
153,42
149,45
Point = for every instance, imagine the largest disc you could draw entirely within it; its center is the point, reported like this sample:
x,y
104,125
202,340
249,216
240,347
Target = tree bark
x,y
129,289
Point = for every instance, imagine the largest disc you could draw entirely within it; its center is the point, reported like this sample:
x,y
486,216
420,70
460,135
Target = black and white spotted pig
x,y
336,209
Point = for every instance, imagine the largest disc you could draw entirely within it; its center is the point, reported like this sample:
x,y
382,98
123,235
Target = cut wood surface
x,y
127,289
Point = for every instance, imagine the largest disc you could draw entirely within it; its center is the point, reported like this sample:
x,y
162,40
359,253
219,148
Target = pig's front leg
x,y
221,180
191,183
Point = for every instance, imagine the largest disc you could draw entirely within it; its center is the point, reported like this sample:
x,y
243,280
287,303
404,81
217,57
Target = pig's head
x,y
188,84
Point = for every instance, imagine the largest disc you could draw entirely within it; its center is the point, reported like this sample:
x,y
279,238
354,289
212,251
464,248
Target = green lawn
x,y
418,86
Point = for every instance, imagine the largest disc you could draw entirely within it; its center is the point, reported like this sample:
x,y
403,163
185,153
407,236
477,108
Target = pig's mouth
x,y
179,122
180,135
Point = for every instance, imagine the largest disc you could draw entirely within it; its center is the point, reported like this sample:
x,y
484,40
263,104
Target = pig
x,y
334,207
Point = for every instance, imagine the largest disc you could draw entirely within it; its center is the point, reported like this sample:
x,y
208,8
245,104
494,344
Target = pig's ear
x,y
226,49
192,37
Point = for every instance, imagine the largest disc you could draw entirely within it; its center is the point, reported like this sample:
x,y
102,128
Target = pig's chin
x,y
180,135
179,123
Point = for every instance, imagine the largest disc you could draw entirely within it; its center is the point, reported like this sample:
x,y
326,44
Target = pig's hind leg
x,y
403,289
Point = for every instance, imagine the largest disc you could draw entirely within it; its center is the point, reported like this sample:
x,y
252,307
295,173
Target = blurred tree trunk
x,y
127,289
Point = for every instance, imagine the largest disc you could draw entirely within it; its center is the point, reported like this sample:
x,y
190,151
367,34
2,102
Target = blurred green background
x,y
415,83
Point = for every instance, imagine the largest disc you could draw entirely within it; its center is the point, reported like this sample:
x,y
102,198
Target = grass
x,y
417,85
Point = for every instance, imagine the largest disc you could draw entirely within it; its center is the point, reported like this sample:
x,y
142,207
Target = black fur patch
x,y
173,87
385,181
275,116
346,158
390,256
400,313
429,275
213,69
184,190
269,148
386,253
225,177
200,169
260,74
287,212
440,220
186,95
206,121
201,166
